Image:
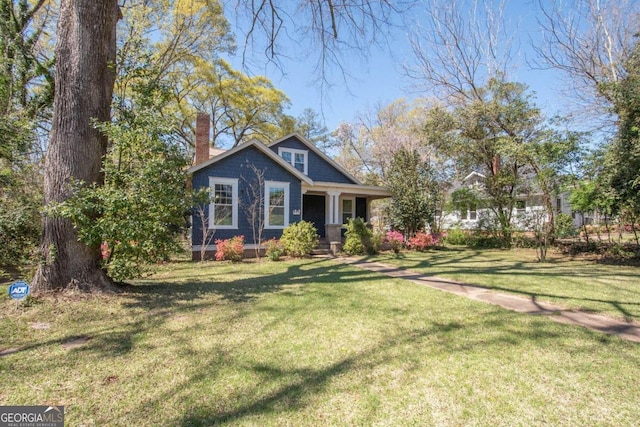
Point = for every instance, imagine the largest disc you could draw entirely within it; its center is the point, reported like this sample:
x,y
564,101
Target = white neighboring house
x,y
525,204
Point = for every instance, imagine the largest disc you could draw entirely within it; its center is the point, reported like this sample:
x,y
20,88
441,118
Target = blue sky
x,y
380,80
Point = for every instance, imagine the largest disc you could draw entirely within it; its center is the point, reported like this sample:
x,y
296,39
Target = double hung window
x,y
223,210
347,210
296,158
276,204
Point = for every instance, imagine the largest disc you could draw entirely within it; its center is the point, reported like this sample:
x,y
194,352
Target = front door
x,y
313,211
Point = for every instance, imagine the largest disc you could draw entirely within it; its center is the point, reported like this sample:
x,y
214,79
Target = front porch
x,y
329,211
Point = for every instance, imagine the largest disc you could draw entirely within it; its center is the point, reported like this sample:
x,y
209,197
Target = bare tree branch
x,y
462,45
329,32
589,41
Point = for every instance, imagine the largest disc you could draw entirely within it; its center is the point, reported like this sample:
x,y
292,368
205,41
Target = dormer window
x,y
296,158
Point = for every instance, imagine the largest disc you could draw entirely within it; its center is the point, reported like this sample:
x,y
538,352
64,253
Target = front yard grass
x,y
581,283
308,342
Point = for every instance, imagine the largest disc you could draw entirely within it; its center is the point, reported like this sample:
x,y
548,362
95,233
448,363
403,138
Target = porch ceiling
x,y
370,192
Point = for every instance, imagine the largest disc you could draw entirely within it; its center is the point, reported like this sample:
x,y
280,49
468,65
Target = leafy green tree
x,y
175,37
583,200
465,198
139,212
20,192
488,134
25,63
414,192
240,106
624,153
550,155
26,91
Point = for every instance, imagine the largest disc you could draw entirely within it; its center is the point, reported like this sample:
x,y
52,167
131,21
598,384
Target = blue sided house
x,y
271,186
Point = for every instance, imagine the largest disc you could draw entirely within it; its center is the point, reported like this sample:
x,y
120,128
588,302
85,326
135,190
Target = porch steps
x,y
322,248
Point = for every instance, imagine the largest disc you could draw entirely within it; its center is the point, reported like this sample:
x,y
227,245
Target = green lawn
x,y
580,283
308,342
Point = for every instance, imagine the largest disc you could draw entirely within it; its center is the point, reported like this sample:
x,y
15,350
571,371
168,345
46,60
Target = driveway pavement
x,y
626,330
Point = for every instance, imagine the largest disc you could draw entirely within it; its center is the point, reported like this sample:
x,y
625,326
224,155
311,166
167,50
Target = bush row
x,y
297,240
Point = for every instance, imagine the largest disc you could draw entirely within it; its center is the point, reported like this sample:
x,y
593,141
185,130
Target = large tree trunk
x,y
84,78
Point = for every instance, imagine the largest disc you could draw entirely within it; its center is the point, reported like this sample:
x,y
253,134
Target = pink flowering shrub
x,y
230,249
422,241
105,250
395,239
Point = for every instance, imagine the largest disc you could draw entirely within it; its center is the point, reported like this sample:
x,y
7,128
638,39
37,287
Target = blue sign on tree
x,y
19,290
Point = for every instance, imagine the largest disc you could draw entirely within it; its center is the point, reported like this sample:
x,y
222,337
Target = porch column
x,y
333,225
334,207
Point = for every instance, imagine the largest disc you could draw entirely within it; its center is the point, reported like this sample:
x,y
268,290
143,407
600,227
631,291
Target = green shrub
x,y
299,239
457,237
360,239
274,249
564,226
376,244
480,240
521,240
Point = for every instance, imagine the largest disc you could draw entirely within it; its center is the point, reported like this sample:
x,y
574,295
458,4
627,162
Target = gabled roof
x,y
262,148
315,149
471,175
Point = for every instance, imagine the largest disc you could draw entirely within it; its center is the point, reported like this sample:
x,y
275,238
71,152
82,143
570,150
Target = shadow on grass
x,y
153,295
472,262
298,388
162,301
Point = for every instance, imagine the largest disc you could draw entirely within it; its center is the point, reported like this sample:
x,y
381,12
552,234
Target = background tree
x,y
411,183
176,37
460,47
549,156
26,65
595,44
240,107
463,55
623,156
26,91
489,135
368,146
309,124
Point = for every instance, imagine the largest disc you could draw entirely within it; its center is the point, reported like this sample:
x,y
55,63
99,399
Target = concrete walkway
x,y
626,330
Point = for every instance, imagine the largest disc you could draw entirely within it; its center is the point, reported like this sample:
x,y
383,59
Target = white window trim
x,y
293,152
267,186
353,206
234,207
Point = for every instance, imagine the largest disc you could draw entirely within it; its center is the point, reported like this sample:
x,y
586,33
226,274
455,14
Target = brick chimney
x,y
202,138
